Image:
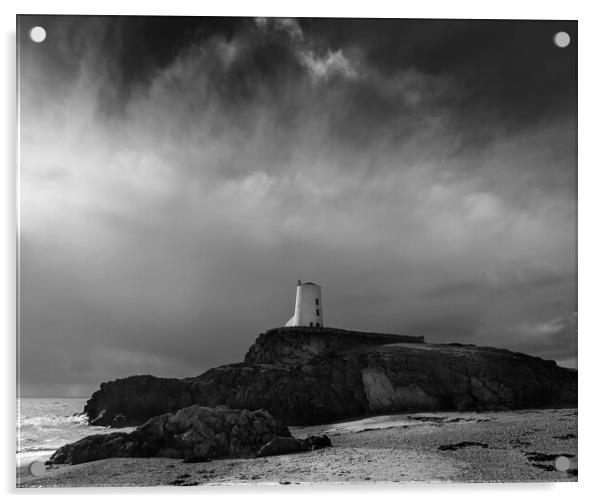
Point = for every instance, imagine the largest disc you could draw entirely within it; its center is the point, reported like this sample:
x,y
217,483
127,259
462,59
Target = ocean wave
x,y
54,421
46,448
45,425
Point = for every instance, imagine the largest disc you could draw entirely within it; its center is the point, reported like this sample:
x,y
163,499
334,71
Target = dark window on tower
x,y
317,312
317,324
311,324
317,302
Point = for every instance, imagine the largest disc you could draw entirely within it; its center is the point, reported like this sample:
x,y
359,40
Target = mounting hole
x,y
562,463
37,34
37,469
562,39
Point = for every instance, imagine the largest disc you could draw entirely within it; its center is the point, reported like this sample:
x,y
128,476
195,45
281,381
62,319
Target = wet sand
x,y
514,446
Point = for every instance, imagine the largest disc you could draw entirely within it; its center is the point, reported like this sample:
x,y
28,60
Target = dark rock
x,y
182,481
168,452
313,443
288,445
320,375
281,445
461,445
547,468
540,456
197,459
192,433
428,419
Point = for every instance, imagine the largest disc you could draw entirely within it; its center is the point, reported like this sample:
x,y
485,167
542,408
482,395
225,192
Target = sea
x,y
45,424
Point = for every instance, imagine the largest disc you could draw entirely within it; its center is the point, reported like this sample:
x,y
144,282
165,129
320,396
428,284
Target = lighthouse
x,y
308,306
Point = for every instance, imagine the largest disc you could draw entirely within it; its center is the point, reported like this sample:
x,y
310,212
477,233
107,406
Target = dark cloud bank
x,y
178,175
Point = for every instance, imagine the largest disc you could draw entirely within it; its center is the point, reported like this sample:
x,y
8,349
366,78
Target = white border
x,y
590,250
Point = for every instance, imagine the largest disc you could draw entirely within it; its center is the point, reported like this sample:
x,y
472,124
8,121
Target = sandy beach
x,y
458,447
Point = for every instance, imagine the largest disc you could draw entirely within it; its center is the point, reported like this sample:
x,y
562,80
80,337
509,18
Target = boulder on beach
x,y
112,445
195,431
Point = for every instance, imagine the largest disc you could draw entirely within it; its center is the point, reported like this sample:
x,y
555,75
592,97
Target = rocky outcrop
x,y
316,375
195,431
295,345
135,399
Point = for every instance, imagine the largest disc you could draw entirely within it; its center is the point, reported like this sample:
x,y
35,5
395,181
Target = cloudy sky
x,y
178,175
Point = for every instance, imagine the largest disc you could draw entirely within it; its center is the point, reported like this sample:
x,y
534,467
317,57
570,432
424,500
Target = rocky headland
x,y
305,376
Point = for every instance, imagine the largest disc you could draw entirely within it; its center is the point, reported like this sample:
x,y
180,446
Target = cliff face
x,y
310,376
133,400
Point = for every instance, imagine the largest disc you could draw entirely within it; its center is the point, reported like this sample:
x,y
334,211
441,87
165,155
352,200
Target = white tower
x,y
308,306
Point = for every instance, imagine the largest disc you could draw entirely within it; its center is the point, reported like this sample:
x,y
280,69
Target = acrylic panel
x,y
296,251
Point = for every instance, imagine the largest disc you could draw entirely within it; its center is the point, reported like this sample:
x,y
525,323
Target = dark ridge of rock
x,y
462,445
540,456
288,445
318,375
280,445
192,432
183,482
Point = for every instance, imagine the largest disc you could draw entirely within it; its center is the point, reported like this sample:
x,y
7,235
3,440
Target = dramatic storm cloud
x,y
179,175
